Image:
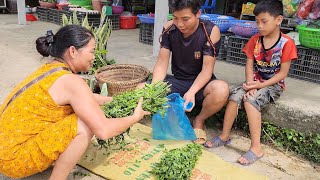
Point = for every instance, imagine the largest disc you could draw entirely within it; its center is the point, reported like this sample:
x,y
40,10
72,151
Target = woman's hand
x,y
102,99
139,113
108,99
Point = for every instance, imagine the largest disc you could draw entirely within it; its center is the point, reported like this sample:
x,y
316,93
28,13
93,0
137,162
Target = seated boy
x,y
269,54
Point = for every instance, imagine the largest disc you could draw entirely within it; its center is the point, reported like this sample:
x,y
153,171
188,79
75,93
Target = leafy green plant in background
x,y
303,144
101,34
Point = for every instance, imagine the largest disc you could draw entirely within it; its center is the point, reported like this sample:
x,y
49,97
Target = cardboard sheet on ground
x,y
136,162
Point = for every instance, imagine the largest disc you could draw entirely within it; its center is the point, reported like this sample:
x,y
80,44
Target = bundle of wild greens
x,y
124,104
177,163
154,98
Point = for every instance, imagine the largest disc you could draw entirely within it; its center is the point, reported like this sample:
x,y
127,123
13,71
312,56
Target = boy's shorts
x,y
261,99
182,86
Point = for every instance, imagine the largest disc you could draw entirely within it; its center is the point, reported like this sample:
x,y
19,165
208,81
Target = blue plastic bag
x,y
175,124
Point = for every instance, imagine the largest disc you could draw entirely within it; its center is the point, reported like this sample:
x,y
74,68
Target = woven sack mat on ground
x,y
135,162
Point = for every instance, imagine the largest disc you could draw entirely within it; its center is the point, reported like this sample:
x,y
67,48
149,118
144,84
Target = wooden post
x,y
161,15
21,12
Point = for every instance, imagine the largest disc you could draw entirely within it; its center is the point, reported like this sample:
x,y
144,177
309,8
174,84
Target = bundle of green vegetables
x,y
124,104
177,163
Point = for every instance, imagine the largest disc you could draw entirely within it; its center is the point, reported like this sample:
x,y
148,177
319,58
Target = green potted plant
x,y
48,3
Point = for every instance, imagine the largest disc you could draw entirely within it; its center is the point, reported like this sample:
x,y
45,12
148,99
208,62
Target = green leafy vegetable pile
x,y
124,104
177,163
154,97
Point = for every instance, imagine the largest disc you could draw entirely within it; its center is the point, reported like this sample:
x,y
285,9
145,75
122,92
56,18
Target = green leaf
x,y
177,163
65,20
104,89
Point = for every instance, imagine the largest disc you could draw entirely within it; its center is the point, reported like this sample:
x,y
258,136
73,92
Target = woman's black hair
x,y
67,36
177,5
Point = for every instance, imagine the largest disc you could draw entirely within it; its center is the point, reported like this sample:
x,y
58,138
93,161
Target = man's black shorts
x,y
182,86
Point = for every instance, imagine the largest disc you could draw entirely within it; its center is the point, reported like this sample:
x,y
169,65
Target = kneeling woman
x,y
52,115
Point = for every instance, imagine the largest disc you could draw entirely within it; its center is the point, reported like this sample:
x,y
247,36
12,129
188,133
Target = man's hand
x,y
161,66
251,85
189,97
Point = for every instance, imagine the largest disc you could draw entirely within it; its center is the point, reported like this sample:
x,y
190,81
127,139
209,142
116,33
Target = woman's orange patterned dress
x,y
34,130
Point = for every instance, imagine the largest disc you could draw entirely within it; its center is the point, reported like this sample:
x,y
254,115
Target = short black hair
x,y
273,7
176,5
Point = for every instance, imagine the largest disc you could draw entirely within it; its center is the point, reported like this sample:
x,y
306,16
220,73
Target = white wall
x,y
21,12
161,14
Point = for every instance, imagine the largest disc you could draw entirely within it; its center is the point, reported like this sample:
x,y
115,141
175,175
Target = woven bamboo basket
x,y
121,77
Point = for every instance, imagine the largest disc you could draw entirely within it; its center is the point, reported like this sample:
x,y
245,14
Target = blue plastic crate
x,y
223,22
223,25
236,21
209,17
146,18
244,29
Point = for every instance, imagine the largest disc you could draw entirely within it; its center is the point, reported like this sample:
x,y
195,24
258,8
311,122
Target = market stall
x,y
301,22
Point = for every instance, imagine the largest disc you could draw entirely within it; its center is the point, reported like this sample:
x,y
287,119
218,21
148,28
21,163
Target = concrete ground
x,y
19,58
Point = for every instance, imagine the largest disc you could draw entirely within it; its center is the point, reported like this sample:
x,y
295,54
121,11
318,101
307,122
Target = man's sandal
x,y
251,157
201,136
216,142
